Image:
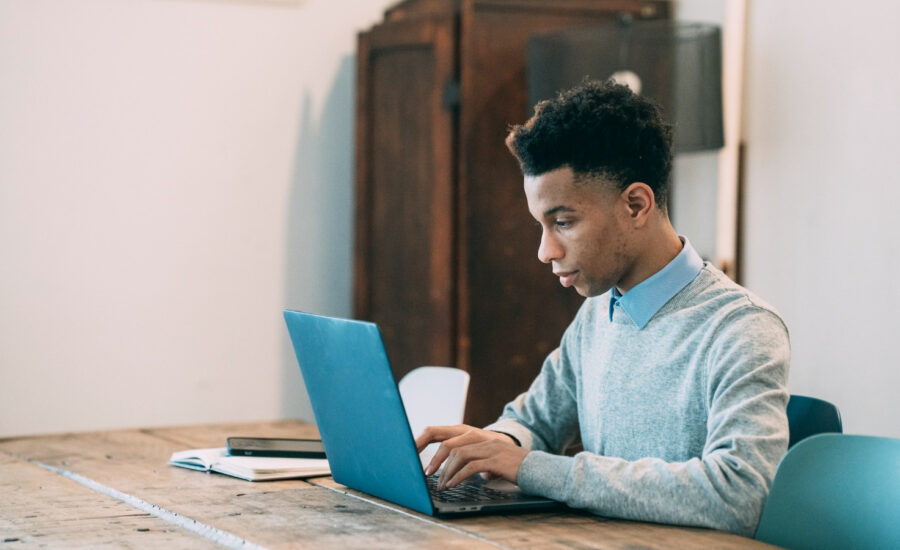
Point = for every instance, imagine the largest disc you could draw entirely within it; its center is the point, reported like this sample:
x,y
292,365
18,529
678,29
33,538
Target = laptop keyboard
x,y
466,492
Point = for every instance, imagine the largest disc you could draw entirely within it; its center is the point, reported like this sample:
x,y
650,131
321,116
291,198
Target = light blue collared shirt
x,y
647,297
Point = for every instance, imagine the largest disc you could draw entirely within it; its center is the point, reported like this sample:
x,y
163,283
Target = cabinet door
x,y
405,206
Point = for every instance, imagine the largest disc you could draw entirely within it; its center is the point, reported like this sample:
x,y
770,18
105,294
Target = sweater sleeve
x,y
747,434
545,418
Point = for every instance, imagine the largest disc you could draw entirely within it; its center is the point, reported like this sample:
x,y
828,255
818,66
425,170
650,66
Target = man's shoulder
x,y
711,299
714,295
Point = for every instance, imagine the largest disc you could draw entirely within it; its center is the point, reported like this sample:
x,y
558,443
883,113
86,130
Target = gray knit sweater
x,y
682,422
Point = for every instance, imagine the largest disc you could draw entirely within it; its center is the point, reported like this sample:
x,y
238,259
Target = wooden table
x,y
114,488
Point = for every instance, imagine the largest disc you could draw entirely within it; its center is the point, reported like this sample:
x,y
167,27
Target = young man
x,y
673,375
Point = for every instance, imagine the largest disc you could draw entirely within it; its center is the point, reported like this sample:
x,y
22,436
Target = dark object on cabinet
x,y
678,64
445,248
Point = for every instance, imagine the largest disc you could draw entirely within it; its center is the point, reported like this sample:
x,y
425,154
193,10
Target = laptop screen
x,y
358,409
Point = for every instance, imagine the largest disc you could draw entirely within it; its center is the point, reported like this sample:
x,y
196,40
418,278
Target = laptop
x,y
364,427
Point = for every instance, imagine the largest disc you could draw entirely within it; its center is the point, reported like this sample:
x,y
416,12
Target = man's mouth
x,y
566,278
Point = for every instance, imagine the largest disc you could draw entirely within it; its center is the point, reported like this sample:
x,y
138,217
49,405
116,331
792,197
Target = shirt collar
x,y
646,298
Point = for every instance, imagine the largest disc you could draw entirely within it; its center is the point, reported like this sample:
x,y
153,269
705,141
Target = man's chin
x,y
589,291
585,291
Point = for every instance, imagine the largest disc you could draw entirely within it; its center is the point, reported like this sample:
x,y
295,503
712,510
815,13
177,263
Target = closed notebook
x,y
251,468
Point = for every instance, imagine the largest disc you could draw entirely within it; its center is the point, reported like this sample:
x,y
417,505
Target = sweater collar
x,y
647,297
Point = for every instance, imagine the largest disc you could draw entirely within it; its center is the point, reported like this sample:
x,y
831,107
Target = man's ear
x,y
640,202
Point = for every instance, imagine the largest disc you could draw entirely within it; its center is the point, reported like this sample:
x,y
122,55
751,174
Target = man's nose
x,y
549,249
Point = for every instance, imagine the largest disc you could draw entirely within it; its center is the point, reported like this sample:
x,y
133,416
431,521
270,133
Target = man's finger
x,y
470,469
460,457
457,459
428,435
434,434
446,447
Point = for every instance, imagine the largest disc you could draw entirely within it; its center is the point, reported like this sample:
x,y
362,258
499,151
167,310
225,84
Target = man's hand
x,y
468,451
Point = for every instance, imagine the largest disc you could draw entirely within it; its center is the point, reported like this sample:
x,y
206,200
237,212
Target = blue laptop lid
x,y
358,408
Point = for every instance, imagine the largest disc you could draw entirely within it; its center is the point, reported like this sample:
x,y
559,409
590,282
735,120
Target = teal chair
x,y
810,416
835,492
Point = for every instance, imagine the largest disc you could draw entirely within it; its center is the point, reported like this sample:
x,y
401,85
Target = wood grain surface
x,y
574,529
114,489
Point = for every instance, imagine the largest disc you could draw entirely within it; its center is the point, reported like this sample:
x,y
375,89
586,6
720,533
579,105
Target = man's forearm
x,y
704,493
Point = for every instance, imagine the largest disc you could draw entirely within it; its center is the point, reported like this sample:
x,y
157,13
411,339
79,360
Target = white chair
x,y
433,396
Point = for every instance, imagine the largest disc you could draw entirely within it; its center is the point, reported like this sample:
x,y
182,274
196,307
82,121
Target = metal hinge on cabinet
x,y
450,97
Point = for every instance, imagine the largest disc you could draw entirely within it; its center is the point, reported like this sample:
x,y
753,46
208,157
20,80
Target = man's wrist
x,y
512,437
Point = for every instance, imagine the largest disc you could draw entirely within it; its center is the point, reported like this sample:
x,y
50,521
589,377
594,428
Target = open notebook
x,y
251,468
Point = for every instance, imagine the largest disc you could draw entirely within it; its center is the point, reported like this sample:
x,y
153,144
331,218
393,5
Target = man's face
x,y
584,230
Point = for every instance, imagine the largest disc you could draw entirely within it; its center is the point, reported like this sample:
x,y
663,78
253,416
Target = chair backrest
x,y
810,416
835,491
433,396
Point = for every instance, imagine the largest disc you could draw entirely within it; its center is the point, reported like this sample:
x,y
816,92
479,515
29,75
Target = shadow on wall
x,y
319,255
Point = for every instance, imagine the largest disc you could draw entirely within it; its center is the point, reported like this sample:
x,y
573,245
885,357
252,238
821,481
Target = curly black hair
x,y
598,129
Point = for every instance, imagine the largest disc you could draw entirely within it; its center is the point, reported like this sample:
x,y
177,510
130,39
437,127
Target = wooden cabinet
x,y
446,252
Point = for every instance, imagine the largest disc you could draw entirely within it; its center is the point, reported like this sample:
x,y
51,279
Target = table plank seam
x,y
414,516
219,536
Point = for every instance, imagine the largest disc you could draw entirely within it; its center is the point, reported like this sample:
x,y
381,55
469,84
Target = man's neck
x,y
656,251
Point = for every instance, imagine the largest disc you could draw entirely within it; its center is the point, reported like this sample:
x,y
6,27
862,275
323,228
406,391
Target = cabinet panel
x,y
405,207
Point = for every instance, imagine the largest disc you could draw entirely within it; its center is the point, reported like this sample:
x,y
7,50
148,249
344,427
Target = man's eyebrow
x,y
556,209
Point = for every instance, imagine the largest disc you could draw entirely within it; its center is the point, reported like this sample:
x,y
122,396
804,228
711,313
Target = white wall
x,y
822,127
173,173
695,175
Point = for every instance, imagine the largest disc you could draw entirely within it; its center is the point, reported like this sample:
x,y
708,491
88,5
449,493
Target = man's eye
x,y
562,223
